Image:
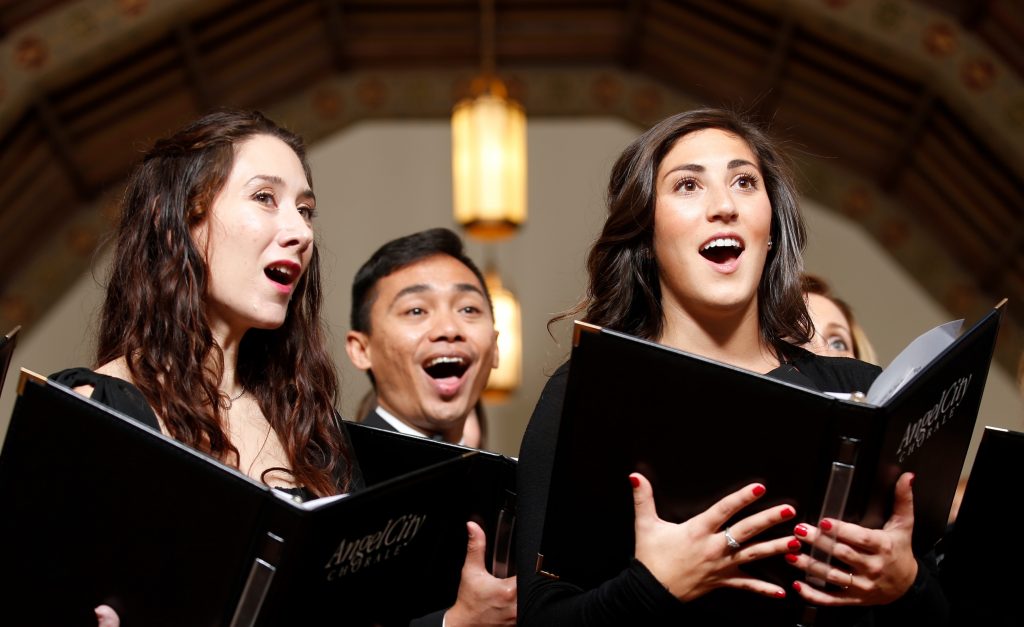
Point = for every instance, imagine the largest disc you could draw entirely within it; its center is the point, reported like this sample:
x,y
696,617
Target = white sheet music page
x,y
912,360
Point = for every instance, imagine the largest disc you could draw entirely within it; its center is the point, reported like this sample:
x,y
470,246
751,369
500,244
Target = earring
x,y
769,243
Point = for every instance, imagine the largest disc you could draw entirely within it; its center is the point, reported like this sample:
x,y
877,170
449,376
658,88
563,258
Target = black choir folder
x,y
385,455
699,429
100,509
980,559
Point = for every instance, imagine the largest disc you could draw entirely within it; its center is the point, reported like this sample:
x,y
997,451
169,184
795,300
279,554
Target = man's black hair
x,y
397,254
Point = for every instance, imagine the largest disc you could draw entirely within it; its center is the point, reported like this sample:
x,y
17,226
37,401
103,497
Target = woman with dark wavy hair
x,y
211,328
701,251
625,290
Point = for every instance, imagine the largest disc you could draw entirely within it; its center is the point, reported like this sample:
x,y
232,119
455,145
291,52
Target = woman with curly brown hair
x,y
211,328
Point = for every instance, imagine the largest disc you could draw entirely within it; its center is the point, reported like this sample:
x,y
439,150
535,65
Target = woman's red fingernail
x,y
791,558
758,490
796,586
787,513
794,545
780,594
634,481
800,530
825,524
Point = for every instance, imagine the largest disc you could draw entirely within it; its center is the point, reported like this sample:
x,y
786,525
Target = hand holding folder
x,y
879,564
693,557
478,589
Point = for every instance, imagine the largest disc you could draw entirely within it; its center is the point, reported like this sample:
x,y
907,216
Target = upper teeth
x,y
285,270
444,360
722,241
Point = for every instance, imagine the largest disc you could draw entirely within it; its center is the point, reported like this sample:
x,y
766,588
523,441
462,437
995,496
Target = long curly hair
x,y
624,292
155,314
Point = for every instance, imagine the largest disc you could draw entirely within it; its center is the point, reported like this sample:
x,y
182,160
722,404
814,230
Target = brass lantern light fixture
x,y
507,377
489,191
489,150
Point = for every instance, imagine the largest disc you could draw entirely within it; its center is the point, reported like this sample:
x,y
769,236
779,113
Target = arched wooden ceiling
x,y
916,109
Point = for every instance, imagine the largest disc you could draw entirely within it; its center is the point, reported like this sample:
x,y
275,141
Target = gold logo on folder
x,y
351,556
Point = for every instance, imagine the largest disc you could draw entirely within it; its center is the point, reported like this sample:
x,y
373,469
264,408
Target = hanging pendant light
x,y
489,150
507,377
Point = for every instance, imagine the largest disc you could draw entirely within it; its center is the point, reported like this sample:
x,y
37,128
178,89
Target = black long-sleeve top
x,y
635,596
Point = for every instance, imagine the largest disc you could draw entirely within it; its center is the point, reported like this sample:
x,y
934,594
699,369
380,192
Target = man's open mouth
x,y
446,366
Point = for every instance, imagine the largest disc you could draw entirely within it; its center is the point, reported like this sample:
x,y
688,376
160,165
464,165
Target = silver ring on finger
x,y
847,586
731,541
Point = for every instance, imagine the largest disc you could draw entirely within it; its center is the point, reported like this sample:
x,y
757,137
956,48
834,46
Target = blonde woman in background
x,y
836,332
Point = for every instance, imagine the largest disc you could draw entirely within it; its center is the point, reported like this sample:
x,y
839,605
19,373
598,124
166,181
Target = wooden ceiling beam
x,y
634,35
194,70
1003,261
890,173
335,25
771,82
61,145
974,12
1007,260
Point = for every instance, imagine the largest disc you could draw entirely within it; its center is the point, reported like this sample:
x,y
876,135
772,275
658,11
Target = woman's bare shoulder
x,y
116,368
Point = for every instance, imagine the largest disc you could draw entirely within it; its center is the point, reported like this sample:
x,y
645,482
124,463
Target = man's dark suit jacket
x,y
373,419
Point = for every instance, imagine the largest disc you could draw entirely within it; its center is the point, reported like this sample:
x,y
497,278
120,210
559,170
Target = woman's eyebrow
x,y
695,167
689,167
266,178
280,182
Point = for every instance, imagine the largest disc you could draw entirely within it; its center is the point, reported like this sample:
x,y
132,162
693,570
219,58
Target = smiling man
x,y
423,330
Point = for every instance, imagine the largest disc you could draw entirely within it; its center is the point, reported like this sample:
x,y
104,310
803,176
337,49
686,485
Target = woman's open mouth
x,y
722,250
284,274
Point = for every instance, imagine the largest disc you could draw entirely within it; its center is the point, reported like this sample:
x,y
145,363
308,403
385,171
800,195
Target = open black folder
x,y
699,429
385,455
100,509
982,552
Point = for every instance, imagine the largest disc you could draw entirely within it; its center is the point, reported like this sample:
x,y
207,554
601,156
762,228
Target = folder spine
x,y
258,583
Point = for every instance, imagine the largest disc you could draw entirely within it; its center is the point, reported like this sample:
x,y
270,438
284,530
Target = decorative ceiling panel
x,y
915,110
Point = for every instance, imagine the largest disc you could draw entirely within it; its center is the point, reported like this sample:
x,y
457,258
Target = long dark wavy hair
x,y
155,311
624,292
